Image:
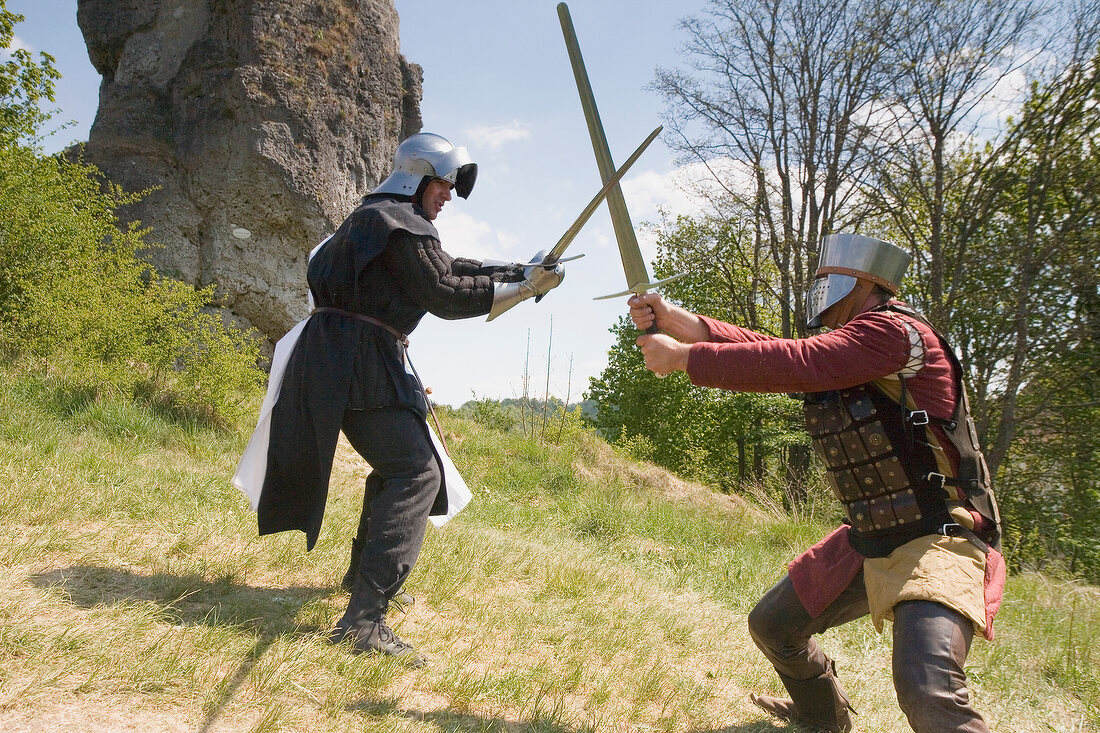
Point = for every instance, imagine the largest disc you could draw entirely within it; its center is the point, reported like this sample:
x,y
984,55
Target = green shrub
x,y
638,447
75,297
75,300
490,414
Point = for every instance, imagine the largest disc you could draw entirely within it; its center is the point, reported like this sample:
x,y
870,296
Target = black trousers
x,y
395,442
931,642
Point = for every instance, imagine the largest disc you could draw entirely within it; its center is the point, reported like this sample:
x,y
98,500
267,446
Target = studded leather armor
x,y
875,466
882,468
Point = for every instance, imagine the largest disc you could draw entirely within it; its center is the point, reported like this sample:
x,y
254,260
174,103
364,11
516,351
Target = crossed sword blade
x,y
637,277
610,185
554,256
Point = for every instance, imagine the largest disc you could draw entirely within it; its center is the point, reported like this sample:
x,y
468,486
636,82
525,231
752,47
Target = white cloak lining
x,y
252,467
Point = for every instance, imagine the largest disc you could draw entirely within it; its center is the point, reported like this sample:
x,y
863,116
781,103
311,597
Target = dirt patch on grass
x,y
95,714
607,466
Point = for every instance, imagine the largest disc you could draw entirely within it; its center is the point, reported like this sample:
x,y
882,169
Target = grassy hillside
x,y
580,592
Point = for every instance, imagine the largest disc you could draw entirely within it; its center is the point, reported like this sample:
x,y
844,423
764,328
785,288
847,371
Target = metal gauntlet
x,y
506,295
545,279
540,280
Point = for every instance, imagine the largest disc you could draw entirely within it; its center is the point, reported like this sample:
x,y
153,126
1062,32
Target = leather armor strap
x,y
957,530
974,475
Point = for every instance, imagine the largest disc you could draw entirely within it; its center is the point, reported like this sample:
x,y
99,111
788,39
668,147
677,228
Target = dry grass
x,y
601,464
581,592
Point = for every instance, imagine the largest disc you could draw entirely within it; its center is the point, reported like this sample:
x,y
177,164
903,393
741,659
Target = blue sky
x,y
497,80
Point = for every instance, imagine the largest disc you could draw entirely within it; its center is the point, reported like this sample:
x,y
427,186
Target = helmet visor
x,y
464,180
458,168
825,292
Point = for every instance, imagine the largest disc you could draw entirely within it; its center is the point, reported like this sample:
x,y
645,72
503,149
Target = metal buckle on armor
x,y
937,480
950,529
918,417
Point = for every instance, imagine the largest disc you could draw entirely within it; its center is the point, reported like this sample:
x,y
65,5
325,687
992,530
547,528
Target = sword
x,y
610,185
637,277
554,256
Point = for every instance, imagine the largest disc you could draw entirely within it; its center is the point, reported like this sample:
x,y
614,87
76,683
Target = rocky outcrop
x,y
268,118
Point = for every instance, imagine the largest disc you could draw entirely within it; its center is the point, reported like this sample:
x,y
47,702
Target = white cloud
x,y
494,137
508,242
464,236
688,190
16,44
1007,90
645,194
649,191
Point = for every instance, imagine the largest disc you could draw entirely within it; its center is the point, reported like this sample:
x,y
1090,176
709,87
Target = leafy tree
x,y
719,437
25,84
783,108
1042,356
950,56
1050,220
722,438
801,138
981,220
729,274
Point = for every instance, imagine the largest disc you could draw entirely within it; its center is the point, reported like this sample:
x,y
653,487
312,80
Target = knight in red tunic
x,y
887,412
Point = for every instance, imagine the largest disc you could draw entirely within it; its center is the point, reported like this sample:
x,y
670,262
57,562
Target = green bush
x,y
490,414
638,447
75,300
75,297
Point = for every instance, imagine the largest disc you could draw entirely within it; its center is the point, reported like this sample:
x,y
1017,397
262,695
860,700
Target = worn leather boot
x,y
379,638
779,707
364,624
818,703
400,602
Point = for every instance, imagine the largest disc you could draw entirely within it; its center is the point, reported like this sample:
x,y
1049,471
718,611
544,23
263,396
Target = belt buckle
x,y
918,417
945,528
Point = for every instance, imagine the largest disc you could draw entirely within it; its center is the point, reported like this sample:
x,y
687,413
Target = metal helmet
x,y
431,155
845,260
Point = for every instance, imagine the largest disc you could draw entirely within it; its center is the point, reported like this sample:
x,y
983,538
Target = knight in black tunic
x,y
372,282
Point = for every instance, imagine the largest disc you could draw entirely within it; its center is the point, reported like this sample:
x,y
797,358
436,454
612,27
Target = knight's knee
x,y
764,626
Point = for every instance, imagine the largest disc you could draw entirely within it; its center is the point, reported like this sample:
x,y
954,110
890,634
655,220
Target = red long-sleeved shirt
x,y
869,347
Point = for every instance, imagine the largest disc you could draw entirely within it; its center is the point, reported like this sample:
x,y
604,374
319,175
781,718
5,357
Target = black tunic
x,y
385,261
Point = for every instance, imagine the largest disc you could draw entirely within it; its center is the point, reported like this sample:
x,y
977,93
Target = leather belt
x,y
404,341
401,338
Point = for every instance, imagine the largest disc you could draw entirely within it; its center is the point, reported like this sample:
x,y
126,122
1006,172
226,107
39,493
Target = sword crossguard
x,y
643,287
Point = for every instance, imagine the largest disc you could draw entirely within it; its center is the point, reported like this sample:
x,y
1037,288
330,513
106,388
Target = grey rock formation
x,y
271,116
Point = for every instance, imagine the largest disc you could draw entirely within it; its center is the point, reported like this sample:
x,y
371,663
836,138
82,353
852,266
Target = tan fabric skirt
x,y
948,570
